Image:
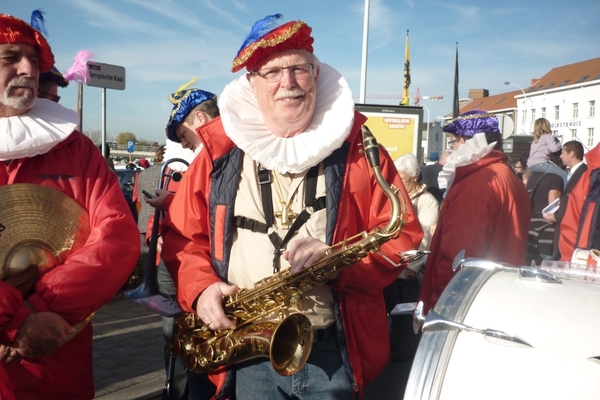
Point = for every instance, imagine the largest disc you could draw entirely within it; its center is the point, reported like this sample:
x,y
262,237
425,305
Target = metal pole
x,y
363,75
104,122
525,98
80,107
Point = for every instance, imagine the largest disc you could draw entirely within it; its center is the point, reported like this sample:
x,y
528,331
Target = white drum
x,y
561,321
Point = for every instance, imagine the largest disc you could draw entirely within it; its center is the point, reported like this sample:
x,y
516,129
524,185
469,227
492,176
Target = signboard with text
x,y
397,128
106,75
130,146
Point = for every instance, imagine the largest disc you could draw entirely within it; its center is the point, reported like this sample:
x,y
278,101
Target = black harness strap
x,y
264,179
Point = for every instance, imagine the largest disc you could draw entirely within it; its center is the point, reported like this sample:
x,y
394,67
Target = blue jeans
x,y
322,377
549,167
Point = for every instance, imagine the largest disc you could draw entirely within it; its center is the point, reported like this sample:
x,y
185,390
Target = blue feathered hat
x,y
184,100
471,123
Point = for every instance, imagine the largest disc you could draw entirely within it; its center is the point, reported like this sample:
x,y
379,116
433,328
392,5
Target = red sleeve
x,y
186,243
570,221
94,273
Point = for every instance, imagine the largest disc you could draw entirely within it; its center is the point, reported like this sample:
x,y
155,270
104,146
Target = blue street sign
x,y
130,145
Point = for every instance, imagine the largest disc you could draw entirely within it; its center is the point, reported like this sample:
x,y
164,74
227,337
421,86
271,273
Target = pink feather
x,y
79,71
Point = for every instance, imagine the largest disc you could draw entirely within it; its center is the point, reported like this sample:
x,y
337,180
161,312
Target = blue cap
x,y
184,102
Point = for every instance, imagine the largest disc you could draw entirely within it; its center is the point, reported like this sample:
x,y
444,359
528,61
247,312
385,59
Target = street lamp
x,y
524,99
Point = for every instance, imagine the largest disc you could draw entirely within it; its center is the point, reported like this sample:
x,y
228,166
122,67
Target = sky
x,y
162,44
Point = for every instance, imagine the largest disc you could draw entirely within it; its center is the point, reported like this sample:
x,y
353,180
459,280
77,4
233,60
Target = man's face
x,y
567,157
288,103
19,73
456,141
186,131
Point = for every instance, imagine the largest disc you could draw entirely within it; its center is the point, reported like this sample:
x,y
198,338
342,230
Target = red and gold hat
x,y
263,40
15,30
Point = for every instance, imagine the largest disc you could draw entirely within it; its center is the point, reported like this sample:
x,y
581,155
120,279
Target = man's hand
x,y
209,306
158,201
304,252
9,353
42,333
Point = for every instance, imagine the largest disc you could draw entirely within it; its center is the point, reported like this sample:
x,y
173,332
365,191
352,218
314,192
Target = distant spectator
x,y
544,143
109,161
144,163
429,176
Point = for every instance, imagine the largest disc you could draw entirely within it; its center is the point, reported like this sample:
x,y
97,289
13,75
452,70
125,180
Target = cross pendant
x,y
287,215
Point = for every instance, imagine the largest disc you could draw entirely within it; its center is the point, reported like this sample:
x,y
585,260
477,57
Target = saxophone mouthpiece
x,y
371,147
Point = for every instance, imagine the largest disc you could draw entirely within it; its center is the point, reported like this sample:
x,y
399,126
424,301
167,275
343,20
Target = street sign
x,y
106,75
130,145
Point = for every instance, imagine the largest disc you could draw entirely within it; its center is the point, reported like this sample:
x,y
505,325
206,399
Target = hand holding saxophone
x,y
209,306
304,252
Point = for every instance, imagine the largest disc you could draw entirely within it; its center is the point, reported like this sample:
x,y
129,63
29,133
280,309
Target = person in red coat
x,y
289,123
486,209
42,354
579,225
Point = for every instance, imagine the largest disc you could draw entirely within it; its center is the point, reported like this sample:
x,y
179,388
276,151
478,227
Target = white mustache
x,y
21,82
293,93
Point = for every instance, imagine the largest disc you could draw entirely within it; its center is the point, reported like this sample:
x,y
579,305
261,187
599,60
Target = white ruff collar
x,y
469,153
36,132
330,126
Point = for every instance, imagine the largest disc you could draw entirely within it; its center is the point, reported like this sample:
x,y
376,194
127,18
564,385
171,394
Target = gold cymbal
x,y
38,226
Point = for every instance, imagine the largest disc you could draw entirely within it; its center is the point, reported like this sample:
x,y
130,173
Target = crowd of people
x,y
277,176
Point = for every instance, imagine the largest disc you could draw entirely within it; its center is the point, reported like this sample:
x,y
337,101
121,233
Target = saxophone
x,y
287,340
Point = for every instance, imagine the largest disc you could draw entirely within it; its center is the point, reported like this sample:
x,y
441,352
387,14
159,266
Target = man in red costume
x,y
486,209
288,123
42,355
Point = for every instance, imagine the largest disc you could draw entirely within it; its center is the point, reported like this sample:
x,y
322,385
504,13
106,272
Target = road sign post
x,y
130,148
105,76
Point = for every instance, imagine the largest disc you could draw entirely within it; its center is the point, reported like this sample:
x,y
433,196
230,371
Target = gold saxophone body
x,y
287,340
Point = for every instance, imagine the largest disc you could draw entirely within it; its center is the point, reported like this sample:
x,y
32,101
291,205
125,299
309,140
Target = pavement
x,y
128,352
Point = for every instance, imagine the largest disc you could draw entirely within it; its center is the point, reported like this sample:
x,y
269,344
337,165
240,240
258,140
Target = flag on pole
x,y
455,106
405,97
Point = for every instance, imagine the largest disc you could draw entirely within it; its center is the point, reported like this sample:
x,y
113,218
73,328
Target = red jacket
x,y
74,290
486,212
363,205
570,223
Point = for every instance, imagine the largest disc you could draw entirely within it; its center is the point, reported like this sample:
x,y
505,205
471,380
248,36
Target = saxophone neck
x,y
371,149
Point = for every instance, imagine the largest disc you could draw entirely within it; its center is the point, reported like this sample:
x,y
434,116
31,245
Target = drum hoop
x,y
435,348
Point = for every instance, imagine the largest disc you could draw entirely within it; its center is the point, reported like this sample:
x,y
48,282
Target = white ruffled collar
x,y
469,153
330,126
36,132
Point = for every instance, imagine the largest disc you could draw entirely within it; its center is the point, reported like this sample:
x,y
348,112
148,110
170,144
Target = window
x,y
554,133
592,108
573,134
583,78
543,112
524,116
575,110
556,112
563,83
533,114
590,137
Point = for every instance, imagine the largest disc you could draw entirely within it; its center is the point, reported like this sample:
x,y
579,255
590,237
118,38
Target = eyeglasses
x,y
52,97
451,142
272,75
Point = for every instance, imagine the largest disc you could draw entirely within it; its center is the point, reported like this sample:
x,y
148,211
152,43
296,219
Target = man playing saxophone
x,y
282,177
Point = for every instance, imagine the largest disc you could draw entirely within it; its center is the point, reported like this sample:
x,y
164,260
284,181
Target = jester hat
x,y
16,31
265,40
471,123
184,100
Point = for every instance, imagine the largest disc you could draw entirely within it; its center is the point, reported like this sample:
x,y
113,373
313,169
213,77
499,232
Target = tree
x,y
123,137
